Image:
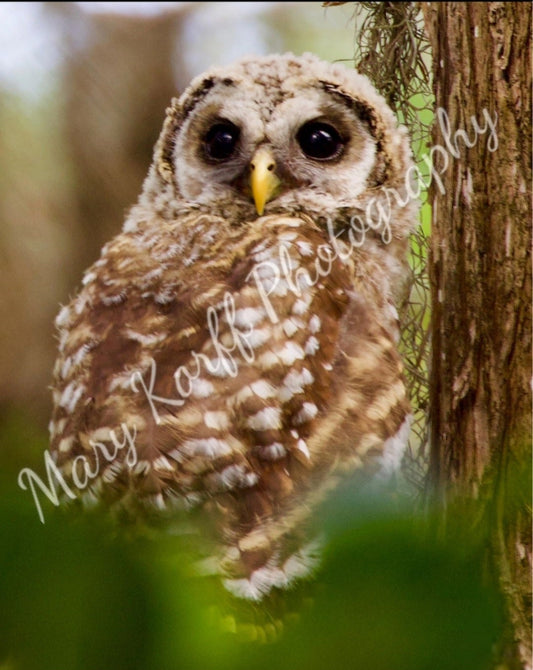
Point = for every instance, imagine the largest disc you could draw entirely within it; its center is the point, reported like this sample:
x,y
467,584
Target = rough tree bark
x,y
480,270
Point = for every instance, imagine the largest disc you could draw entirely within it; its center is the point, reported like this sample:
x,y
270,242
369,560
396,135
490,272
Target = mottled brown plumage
x,y
219,359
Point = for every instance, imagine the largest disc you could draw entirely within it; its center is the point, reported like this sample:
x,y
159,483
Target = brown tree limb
x,y
480,270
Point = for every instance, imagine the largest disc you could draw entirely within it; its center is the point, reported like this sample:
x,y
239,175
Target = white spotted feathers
x,y
244,358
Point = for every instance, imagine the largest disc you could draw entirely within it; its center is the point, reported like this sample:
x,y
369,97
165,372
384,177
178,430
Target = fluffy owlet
x,y
234,347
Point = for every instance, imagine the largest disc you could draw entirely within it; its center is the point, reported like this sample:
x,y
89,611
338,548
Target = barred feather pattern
x,y
232,363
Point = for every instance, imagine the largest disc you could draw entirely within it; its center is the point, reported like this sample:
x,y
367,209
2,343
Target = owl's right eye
x,y
221,141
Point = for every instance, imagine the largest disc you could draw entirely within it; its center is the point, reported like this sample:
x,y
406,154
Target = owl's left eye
x,y
320,141
221,141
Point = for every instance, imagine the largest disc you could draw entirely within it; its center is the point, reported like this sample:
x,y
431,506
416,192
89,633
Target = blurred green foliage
x,y
76,594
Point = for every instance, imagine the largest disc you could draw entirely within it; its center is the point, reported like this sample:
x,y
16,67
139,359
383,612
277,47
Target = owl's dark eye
x,y
319,141
221,141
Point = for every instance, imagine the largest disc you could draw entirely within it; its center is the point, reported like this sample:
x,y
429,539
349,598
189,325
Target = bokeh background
x,y
83,89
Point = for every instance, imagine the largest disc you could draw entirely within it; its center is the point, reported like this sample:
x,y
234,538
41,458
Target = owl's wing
x,y
229,368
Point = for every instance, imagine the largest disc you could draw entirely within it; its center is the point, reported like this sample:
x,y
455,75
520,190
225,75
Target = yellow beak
x,y
263,179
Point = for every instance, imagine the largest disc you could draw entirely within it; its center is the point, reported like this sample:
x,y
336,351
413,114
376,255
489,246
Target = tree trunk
x,y
121,74
480,275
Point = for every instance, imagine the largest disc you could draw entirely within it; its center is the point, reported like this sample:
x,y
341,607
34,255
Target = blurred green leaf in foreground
x,y
75,595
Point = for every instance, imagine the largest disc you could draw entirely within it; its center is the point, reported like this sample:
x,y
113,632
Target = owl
x,y
234,349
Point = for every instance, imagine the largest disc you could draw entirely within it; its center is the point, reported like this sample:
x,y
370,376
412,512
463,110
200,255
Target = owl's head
x,y
277,134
